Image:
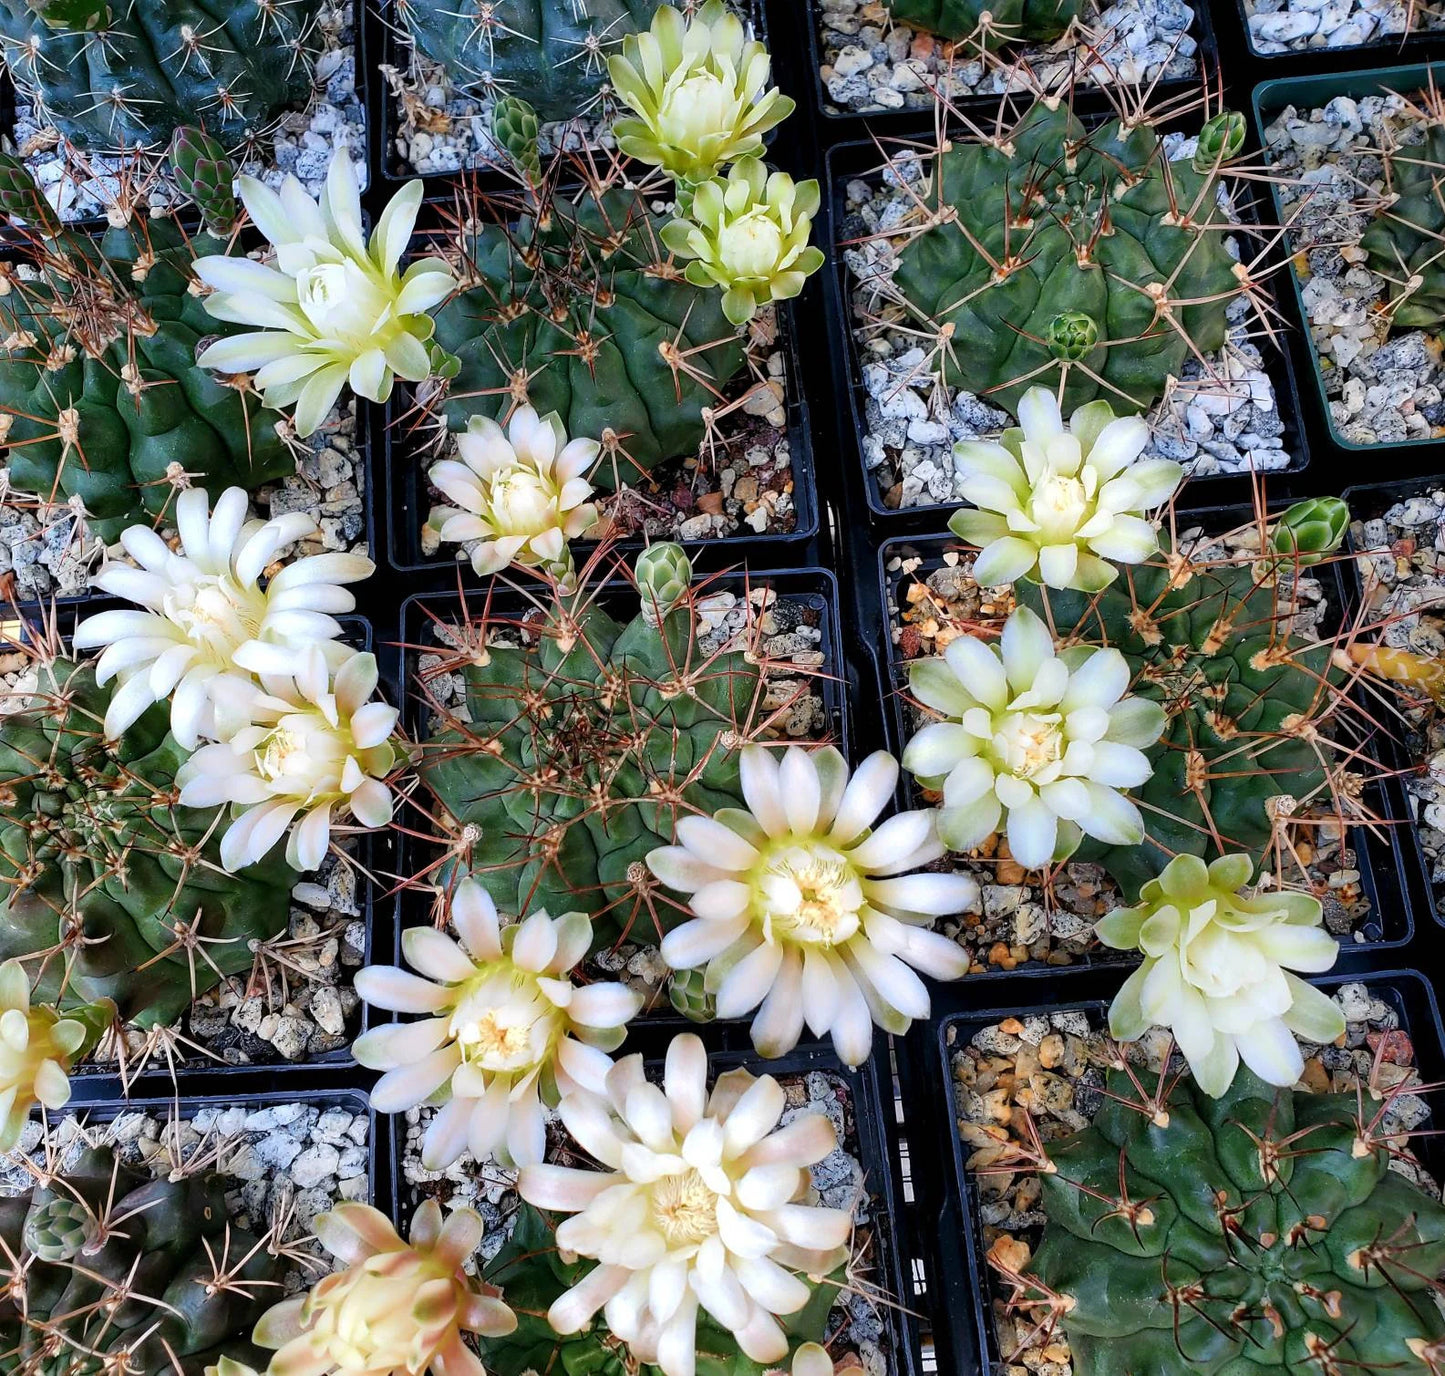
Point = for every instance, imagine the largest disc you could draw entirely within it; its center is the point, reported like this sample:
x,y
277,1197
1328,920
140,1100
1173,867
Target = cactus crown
x,y
572,304
1405,242
1249,706
576,750
1260,1231
988,25
126,76
101,400
1082,259
108,887
105,1270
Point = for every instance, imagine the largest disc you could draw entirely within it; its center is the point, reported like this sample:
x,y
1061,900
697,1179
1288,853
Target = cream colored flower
x,y
749,235
521,494
803,907
703,1202
398,1309
811,1359
1216,971
209,625
334,308
1057,503
315,746
504,1029
1038,743
699,90
37,1048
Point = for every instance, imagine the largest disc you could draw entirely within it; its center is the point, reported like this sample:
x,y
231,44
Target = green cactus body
x,y
1243,697
579,307
552,52
1404,240
100,395
1259,1232
205,174
1065,254
577,755
127,75
1013,21
100,869
531,1275
106,1261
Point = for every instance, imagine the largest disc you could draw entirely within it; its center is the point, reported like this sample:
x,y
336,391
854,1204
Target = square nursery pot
x,y
914,109
1406,744
969,1287
865,161
388,37
1312,92
370,851
1301,57
1388,922
812,591
866,1099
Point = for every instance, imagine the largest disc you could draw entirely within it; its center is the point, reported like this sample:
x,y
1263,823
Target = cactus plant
x,y
1082,261
126,75
576,754
554,53
576,308
533,1275
1261,1231
111,888
1311,529
1403,243
992,25
101,400
206,176
106,1270
1244,697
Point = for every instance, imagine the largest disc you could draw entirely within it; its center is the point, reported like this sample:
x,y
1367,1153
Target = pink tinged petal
x,y
310,840
488,1316
667,1285
369,1224
280,1324
902,834
399,1044
400,991
1032,833
747,984
803,1142
718,1290
605,1005
802,794
446,1135
812,1360
722,846
648,1115
590,1121
811,1227
436,955
929,895
722,900
461,1235
572,1310
535,943
764,1188
685,1081
399,1090
853,1026
866,795
697,942
763,794
777,1290
1270,1050
475,917
754,1115
584,1065
561,1189
892,980
677,1343
778,1024
741,1235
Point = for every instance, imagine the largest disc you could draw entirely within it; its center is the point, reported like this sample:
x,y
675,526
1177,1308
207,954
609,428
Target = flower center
x,y
1028,743
752,246
216,615
695,109
684,1209
810,893
278,753
520,502
1060,504
502,1023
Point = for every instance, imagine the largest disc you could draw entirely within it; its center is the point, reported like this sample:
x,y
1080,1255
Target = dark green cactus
x,y
553,52
1056,254
127,75
1311,529
577,754
1405,242
100,395
1211,643
110,888
106,1270
579,306
206,176
531,1275
1260,1232
1013,21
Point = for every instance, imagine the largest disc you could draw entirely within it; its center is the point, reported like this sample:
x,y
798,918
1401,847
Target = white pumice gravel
x,y
871,63
1383,385
1403,573
301,142
1281,26
1220,420
857,1326
285,1160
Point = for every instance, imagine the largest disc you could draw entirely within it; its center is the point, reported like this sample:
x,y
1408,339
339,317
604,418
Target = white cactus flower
x,y
802,906
520,493
1040,743
209,625
1061,504
1217,971
315,746
334,308
703,1202
503,1028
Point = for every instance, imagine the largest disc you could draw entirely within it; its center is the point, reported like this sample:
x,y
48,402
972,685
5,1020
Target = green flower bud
x,y
688,993
1072,336
514,127
21,198
205,174
1220,139
1311,529
664,574
59,1229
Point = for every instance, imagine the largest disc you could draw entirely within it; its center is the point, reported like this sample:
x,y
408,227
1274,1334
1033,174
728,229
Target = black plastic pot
x,y
1389,49
889,1264
1402,745
968,1290
814,588
1379,852
863,160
